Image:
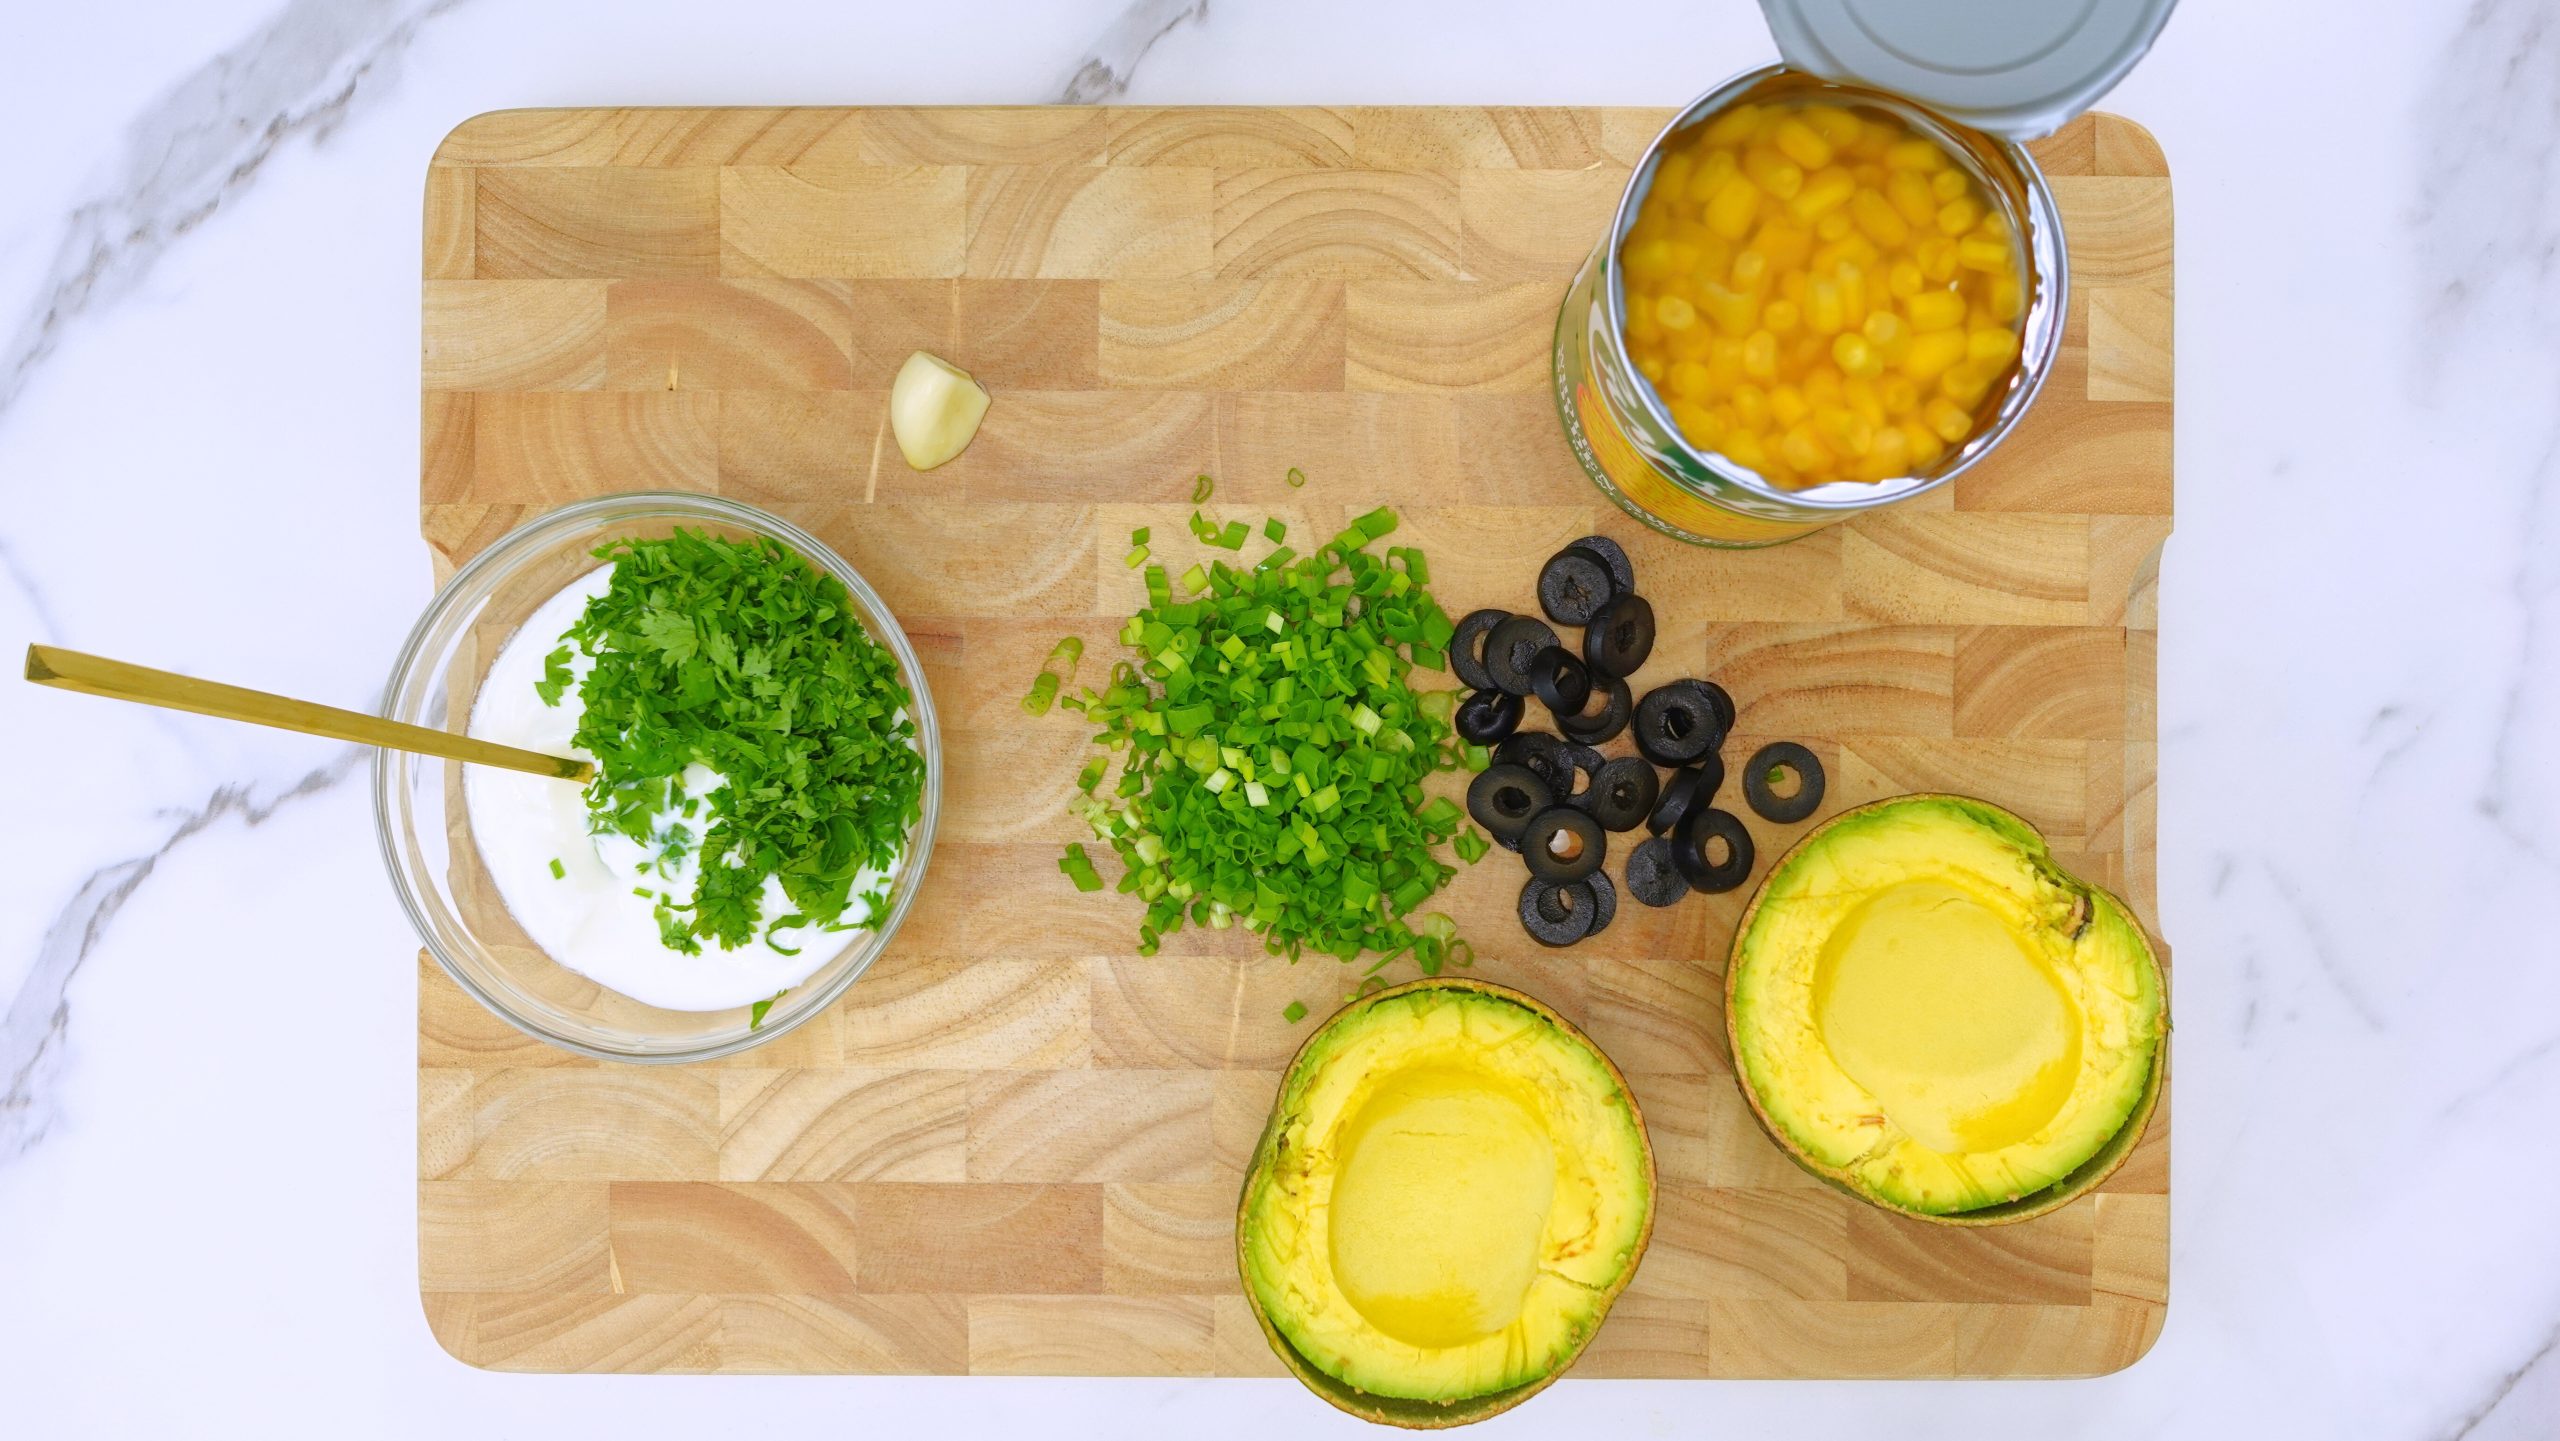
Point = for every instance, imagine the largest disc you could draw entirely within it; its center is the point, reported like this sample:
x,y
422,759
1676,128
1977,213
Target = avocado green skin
x,y
2083,1179
1397,1410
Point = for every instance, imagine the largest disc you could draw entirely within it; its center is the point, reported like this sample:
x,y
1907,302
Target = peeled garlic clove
x,y
934,409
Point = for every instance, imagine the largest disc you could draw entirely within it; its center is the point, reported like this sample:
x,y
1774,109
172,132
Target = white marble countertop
x,y
208,292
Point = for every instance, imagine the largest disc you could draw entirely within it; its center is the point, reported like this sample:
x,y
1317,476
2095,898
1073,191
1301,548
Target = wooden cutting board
x,y
1015,1146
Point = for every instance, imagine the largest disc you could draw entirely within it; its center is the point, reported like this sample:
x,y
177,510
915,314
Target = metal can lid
x,y
2018,68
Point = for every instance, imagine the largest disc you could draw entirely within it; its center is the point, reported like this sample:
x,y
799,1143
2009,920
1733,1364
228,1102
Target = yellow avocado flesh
x,y
1451,1190
1926,998
1930,1011
1439,1207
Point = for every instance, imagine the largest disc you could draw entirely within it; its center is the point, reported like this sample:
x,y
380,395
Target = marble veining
x,y
2360,692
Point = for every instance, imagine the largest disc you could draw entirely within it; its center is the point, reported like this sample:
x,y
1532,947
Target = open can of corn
x,y
1820,296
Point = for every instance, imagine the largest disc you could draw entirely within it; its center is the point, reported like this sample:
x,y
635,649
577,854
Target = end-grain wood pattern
x,y
1014,1147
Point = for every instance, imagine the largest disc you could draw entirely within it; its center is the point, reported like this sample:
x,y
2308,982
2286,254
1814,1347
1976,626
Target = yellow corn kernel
x,y
1890,453
1925,445
1772,171
1898,394
1958,216
1781,317
1822,307
1876,216
1729,213
1745,448
1800,448
1889,333
1844,431
1751,407
1714,169
1642,328
1937,257
1760,355
1931,352
1804,352
1694,421
1856,356
1802,144
1724,363
1833,227
1951,421
1822,385
1787,404
1904,279
1689,344
1868,174
1822,194
1859,393
1853,295
1915,154
1966,381
1651,368
2006,298
1689,380
1784,244
1908,191
1672,176
1735,312
1834,124
1733,126
1750,270
1992,345
1974,253
1792,286
1934,310
1948,184
1675,313
1649,261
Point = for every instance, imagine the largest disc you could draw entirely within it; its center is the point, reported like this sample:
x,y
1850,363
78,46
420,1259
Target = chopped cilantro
x,y
755,1013
739,656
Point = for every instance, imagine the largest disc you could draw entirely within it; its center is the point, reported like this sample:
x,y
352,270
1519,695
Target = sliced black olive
x,y
1542,754
1611,554
1604,900
1620,637
1603,728
1586,761
1557,915
1510,648
1503,799
1769,761
1573,585
1563,844
1561,680
1466,647
1692,843
1653,877
1720,701
1621,794
1675,725
1689,786
1487,716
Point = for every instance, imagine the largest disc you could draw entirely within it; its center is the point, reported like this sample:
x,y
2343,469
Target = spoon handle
x,y
117,680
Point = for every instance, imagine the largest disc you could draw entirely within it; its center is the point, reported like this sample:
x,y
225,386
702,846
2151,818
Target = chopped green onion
x,y
1195,580
1274,531
1294,1012
1044,691
1234,536
1079,868
558,871
1136,557
1296,477
1200,489
1470,846
1142,535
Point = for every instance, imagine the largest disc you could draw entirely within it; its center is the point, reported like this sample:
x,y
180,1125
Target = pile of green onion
x,y
1272,751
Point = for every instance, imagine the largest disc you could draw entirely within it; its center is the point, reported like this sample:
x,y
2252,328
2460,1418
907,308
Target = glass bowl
x,y
425,829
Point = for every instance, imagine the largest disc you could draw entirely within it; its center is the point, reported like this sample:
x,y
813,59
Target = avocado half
x,y
1928,1012
1453,1188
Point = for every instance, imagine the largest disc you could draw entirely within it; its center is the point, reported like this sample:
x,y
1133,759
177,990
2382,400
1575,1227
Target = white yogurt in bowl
x,y
588,897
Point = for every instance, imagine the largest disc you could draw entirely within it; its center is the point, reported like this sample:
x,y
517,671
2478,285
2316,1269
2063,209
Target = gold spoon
x,y
116,680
